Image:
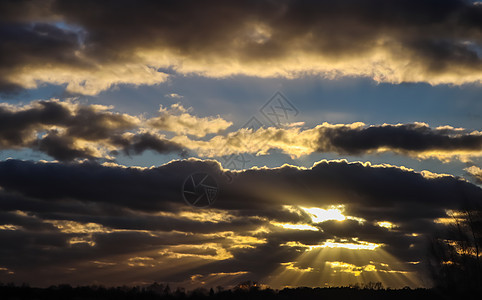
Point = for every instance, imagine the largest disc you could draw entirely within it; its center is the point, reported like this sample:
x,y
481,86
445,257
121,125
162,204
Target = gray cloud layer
x,y
74,43
114,219
405,137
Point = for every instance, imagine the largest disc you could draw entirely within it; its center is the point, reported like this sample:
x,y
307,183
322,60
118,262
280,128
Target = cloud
x,y
173,95
96,218
475,172
399,41
179,120
19,123
32,47
416,140
139,142
66,148
57,128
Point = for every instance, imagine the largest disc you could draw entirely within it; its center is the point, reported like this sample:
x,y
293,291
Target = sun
x,y
319,215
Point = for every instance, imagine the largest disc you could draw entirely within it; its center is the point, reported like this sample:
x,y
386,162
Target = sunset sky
x,y
325,142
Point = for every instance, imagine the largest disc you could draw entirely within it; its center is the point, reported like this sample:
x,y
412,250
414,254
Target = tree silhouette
x,y
455,255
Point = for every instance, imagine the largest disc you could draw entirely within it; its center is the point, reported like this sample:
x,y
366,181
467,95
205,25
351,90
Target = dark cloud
x,y
20,123
401,138
138,143
154,187
97,217
34,46
17,127
361,185
62,147
396,41
69,131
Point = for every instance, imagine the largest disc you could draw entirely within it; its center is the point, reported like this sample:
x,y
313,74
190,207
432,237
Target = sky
x,y
205,143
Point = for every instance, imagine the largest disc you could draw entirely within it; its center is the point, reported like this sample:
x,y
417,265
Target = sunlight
x,y
82,240
291,266
353,244
9,227
359,245
386,224
207,251
140,261
350,268
322,265
319,215
296,226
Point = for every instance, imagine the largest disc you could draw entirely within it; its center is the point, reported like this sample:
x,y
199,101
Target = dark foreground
x,y
66,292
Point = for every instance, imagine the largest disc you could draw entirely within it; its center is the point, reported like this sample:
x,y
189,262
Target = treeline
x,y
159,291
